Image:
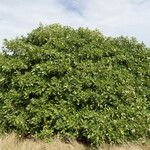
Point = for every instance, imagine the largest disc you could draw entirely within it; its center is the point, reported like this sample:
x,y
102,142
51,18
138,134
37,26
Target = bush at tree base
x,y
75,83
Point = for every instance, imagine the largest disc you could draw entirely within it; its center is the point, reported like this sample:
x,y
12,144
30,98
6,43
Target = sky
x,y
112,17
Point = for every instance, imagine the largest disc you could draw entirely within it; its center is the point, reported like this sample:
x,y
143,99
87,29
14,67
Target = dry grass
x,y
11,142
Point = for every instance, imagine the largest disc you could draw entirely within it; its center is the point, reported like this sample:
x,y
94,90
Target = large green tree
x,y
75,83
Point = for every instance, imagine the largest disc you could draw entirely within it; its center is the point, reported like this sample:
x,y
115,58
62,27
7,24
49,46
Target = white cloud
x,y
112,17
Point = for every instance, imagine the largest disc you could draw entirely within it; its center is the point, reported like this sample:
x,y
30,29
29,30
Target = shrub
x,y
75,83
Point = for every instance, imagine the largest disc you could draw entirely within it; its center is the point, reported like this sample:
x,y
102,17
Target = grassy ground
x,y
11,142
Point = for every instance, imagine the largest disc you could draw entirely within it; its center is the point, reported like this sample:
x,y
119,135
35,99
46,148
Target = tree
x,y
75,83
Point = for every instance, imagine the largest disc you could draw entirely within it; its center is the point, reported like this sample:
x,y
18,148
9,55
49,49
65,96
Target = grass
x,y
12,142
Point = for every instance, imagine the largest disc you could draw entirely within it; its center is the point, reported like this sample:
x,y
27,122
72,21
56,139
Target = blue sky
x,y
111,17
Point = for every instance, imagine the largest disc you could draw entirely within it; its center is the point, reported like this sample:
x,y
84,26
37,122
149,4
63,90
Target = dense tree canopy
x,y
75,83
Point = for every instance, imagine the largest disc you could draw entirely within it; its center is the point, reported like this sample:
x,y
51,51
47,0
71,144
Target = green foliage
x,y
75,83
